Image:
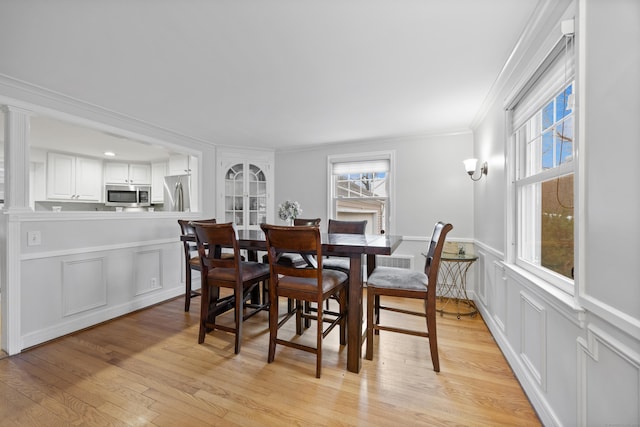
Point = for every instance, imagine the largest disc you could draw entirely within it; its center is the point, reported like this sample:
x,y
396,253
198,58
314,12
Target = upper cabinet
x,y
127,173
181,164
245,189
73,178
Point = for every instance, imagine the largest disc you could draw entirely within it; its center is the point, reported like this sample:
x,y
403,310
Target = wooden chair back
x,y
190,248
211,239
303,240
434,253
298,222
346,227
191,258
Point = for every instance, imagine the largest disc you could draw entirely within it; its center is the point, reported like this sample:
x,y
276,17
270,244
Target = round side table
x,y
452,285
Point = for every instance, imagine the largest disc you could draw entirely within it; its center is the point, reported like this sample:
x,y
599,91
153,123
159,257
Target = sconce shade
x,y
470,165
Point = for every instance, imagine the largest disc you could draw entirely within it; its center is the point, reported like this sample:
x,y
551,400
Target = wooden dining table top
x,y
333,244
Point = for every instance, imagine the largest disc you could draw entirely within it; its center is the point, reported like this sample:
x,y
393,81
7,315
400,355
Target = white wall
x,y
577,357
431,183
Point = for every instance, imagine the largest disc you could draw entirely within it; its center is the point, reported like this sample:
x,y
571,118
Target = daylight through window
x,y
544,147
360,190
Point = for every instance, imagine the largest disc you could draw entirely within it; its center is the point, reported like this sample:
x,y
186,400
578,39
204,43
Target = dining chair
x,y
234,273
191,258
404,283
311,283
296,260
342,227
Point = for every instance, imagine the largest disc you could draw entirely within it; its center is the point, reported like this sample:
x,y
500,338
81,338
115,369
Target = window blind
x,y
369,166
556,71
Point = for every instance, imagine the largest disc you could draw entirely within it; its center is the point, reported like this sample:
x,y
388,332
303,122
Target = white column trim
x,y
16,158
10,287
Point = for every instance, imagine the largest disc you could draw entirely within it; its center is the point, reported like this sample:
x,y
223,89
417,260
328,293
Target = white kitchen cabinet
x,y
73,178
181,164
245,192
127,173
158,172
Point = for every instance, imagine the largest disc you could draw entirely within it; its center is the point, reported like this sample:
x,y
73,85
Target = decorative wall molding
x,y
85,320
148,275
562,303
608,373
84,285
499,255
624,321
533,392
104,248
499,294
533,338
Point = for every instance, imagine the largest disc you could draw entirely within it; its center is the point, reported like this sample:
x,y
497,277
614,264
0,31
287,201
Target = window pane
x,y
546,216
557,225
554,146
547,115
361,194
564,141
547,150
562,101
373,210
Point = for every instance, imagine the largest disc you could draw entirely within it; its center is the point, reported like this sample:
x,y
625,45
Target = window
x,y
543,152
359,188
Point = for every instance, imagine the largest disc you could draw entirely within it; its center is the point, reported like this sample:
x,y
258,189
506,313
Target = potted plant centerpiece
x,y
288,211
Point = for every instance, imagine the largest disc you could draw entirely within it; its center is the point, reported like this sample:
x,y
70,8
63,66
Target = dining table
x,y
353,246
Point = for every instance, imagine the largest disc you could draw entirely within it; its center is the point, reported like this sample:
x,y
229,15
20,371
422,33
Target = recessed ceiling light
x,y
109,153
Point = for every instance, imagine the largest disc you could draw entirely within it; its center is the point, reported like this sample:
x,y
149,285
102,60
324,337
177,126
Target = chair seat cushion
x,y
397,278
330,280
336,263
250,270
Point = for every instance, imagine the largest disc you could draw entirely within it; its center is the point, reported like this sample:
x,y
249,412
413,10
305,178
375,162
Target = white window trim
x,y
513,184
389,155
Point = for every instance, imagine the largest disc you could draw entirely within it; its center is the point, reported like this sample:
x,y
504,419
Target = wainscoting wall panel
x,y
72,290
499,295
533,346
480,289
148,275
607,368
84,285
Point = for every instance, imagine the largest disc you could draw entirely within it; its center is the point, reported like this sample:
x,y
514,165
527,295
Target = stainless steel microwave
x,y
128,196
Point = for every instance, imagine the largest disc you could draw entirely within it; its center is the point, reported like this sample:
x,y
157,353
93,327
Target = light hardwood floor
x,y
147,369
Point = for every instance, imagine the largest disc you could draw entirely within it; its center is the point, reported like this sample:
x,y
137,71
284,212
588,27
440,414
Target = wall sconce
x,y
470,165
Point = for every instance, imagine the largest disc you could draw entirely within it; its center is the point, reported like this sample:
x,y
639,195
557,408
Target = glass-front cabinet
x,y
245,198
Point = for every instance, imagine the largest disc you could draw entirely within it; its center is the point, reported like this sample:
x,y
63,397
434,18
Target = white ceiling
x,y
269,73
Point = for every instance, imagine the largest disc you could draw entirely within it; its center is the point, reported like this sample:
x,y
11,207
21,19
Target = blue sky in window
x,y
561,103
557,141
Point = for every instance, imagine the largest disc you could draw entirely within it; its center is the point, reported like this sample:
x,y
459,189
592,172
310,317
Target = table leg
x,y
354,316
252,255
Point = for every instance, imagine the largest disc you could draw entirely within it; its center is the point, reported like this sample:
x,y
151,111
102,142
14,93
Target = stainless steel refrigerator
x,y
177,193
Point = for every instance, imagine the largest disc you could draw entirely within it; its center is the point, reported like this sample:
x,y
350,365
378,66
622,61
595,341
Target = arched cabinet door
x,y
245,198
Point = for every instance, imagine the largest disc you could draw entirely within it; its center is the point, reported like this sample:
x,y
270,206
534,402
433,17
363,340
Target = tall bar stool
x,y
309,284
226,272
191,258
